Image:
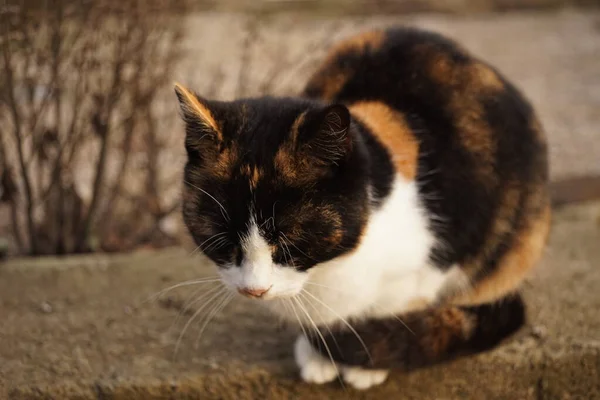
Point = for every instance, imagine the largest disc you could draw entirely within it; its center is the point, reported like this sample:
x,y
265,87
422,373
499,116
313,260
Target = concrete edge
x,y
529,365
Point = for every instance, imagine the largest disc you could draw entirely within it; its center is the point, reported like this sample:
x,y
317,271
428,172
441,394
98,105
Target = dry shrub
x,y
91,146
80,144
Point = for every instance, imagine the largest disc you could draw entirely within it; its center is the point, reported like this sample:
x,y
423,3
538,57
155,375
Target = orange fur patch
x,y
332,85
444,326
485,77
295,169
515,265
224,165
361,42
508,208
474,132
254,174
285,165
417,304
330,78
465,84
537,127
390,127
440,67
296,127
335,220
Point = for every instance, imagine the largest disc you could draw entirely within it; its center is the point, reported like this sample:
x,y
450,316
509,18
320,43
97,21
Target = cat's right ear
x,y
201,125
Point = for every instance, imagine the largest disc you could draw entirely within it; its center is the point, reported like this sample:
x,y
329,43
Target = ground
x,y
81,328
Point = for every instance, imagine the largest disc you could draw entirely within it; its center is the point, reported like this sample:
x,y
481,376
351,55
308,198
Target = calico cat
x,y
393,209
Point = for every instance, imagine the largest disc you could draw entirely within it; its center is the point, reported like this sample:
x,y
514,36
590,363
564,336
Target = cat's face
x,y
272,188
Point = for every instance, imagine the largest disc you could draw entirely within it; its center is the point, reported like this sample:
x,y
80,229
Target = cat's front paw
x,y
314,368
362,379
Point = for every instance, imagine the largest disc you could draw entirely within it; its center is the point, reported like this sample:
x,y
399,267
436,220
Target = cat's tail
x,y
424,338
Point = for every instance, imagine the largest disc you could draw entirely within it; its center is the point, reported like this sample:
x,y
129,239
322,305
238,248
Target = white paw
x,y
361,379
314,368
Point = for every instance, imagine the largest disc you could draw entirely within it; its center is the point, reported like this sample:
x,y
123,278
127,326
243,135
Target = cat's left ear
x,y
325,134
197,115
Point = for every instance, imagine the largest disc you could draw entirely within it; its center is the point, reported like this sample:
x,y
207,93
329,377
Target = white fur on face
x,y
259,272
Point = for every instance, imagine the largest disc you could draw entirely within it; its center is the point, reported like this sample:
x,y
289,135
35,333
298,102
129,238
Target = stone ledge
x,y
85,333
531,373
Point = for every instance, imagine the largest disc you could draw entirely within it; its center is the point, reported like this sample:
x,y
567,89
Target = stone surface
x,y
81,328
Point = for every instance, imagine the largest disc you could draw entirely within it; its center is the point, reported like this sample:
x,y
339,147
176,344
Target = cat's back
x,y
410,70
380,62
455,125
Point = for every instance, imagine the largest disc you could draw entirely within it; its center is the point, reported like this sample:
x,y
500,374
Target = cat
x,y
396,205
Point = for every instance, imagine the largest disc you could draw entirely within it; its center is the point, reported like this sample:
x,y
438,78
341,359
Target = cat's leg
x,y
314,367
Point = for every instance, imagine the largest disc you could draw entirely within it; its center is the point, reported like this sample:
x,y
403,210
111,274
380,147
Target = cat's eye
x,y
238,255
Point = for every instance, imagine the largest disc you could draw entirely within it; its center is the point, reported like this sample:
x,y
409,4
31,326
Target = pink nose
x,y
254,292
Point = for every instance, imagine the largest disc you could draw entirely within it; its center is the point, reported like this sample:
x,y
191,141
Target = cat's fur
x,y
402,199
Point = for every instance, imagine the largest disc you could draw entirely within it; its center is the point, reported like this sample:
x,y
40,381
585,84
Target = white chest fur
x,y
385,275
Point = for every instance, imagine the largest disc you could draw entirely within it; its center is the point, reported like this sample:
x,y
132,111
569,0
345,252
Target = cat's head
x,y
272,188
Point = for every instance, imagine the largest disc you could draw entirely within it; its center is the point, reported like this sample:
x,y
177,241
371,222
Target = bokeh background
x,y
100,296
91,147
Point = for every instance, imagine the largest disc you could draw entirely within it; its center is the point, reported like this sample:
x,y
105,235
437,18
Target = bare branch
x,y
10,193
17,133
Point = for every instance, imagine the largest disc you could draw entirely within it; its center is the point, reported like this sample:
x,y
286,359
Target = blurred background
x,y
91,142
91,157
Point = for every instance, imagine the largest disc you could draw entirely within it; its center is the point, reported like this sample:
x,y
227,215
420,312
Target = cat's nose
x,y
253,292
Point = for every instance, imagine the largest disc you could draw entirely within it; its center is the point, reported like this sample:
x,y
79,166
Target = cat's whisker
x,y
337,371
191,300
225,299
156,295
196,313
199,248
273,217
429,173
209,239
397,318
362,342
293,308
286,248
217,244
289,300
303,296
307,336
194,251
296,247
266,222
223,210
